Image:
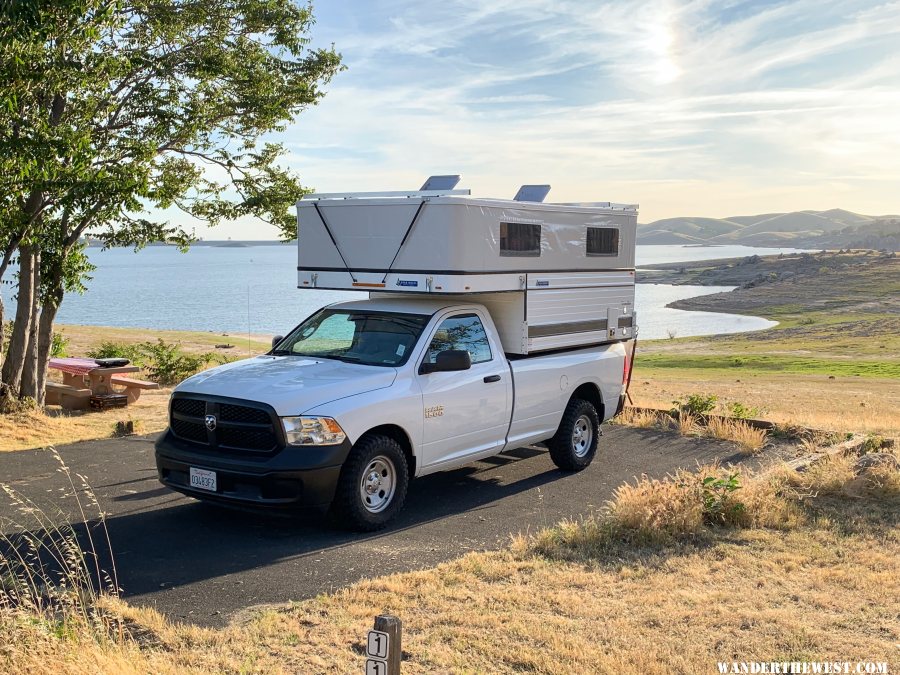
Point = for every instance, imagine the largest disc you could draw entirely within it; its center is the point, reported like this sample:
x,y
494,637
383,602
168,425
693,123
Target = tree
x,y
112,109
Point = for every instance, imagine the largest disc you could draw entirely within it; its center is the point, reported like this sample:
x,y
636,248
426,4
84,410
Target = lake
x,y
241,289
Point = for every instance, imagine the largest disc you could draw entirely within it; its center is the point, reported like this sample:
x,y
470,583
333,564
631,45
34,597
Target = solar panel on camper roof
x,y
532,193
440,183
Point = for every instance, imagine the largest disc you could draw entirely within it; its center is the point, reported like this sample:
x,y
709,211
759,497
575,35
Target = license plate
x,y
203,479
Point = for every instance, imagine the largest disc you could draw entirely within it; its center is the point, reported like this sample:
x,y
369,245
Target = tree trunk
x,y
18,341
45,342
2,326
29,385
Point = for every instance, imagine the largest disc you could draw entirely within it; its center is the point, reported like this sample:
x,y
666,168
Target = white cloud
x,y
686,107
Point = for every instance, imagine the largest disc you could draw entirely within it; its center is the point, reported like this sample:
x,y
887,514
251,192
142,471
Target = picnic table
x,y
84,378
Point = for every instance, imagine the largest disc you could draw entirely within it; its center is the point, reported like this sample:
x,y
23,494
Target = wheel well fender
x,y
398,434
591,393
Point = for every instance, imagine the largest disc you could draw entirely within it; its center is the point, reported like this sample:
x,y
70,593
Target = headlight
x,y
312,431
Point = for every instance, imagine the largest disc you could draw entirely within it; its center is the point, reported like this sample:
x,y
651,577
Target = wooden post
x,y
379,662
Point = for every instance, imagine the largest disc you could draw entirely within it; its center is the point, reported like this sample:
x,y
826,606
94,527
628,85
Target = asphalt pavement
x,y
201,563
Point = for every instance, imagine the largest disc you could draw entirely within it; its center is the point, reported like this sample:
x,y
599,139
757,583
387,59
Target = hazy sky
x,y
688,108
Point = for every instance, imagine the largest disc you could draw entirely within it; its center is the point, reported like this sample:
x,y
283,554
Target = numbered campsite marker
x,y
376,667
377,647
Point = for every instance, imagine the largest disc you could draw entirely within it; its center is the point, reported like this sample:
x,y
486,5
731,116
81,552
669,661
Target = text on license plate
x,y
203,479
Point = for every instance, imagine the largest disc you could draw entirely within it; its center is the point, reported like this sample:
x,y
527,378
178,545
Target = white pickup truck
x,y
363,396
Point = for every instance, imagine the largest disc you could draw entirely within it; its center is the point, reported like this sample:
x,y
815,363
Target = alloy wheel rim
x,y
378,484
582,436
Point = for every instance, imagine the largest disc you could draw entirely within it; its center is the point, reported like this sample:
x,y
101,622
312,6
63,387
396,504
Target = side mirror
x,y
276,340
447,361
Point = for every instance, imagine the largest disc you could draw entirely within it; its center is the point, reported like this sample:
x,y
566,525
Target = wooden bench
x,y
69,397
133,388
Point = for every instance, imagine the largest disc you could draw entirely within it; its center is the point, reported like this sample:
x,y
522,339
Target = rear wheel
x,y
372,486
574,445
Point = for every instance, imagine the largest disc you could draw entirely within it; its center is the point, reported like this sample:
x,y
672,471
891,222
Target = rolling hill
x,y
802,229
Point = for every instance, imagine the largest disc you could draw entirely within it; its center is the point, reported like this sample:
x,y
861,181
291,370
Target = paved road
x,y
201,563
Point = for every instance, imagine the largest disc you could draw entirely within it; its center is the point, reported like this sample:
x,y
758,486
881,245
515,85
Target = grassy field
x,y
661,581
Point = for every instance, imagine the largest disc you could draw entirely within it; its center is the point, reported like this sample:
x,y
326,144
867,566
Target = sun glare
x,y
660,41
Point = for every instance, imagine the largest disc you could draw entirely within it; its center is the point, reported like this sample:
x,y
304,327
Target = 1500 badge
x,y
434,411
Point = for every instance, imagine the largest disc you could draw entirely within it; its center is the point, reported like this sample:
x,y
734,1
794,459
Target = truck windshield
x,y
369,338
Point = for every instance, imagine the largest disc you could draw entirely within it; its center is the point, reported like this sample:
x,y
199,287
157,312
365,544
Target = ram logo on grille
x,y
211,422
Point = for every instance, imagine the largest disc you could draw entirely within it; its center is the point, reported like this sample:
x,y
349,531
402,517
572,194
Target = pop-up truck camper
x,y
485,325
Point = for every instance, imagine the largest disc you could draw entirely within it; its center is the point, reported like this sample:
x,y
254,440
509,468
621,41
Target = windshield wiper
x,y
281,352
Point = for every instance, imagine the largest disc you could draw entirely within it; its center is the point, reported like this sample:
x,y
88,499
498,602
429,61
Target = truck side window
x,y
461,332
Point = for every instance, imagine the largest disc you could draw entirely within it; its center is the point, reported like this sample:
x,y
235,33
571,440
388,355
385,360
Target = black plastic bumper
x,y
294,477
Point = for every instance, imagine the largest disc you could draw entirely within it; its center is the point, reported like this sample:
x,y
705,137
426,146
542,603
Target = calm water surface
x,y
236,290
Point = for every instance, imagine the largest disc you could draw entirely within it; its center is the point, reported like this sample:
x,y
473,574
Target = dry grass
x,y
749,438
865,405
641,419
35,429
83,338
802,575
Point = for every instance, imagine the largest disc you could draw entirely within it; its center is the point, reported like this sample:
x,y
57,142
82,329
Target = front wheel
x,y
372,486
574,445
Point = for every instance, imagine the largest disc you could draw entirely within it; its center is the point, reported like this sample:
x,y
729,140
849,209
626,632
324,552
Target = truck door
x,y
466,412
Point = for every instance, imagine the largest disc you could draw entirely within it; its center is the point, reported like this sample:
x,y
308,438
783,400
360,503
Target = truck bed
x,y
543,385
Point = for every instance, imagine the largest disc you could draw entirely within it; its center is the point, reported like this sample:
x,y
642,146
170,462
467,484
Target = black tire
x,y
571,449
373,459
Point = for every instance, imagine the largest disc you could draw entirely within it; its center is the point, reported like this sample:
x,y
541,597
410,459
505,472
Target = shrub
x,y
719,502
697,404
59,345
168,364
165,363
741,411
117,350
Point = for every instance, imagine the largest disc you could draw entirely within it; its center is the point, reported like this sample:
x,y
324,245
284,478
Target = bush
x,y
165,363
59,345
741,411
117,350
168,364
697,404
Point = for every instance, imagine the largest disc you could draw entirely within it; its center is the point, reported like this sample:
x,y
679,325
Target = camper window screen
x,y
602,241
520,239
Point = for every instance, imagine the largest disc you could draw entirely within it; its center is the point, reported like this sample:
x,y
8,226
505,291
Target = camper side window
x,y
460,332
602,241
520,239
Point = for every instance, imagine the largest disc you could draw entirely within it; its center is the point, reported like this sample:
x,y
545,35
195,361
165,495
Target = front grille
x,y
193,407
240,413
190,431
247,439
250,428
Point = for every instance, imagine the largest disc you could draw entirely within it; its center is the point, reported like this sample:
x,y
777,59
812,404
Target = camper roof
x,y
444,186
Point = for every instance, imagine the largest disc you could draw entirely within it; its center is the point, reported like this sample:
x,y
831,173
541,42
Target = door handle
x,y
492,378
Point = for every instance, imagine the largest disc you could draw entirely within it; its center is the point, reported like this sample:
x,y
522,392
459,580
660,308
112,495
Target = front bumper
x,y
292,477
